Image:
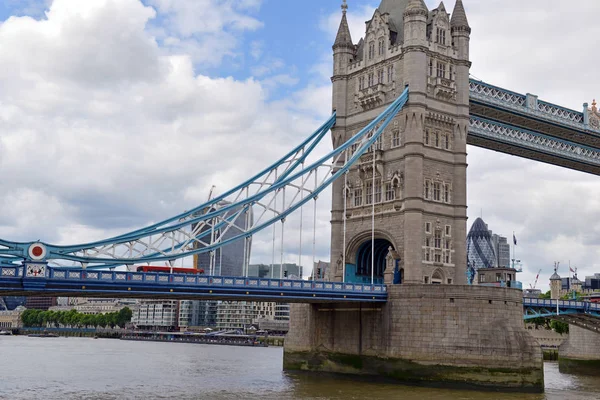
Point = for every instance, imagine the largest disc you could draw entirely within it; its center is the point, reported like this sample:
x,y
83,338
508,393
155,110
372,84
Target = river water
x,y
84,368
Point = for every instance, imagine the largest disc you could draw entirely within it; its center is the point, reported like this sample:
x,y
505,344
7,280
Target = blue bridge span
x,y
40,280
47,281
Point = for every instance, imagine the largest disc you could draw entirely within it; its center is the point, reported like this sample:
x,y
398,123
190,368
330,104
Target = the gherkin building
x,y
480,251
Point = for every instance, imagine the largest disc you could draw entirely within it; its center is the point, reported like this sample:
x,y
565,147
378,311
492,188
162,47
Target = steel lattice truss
x,y
263,200
503,133
527,105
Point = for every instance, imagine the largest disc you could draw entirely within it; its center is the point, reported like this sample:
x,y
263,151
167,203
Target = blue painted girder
x,y
83,283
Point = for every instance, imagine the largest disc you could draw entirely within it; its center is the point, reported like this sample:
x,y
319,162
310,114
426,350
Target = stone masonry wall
x,y
581,344
450,333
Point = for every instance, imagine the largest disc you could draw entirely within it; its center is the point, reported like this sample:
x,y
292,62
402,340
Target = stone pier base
x,y
467,336
580,354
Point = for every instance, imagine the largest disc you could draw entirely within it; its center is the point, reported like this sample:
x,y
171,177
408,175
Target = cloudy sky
x,y
117,113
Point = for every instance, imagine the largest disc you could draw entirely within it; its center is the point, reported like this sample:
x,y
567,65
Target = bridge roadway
x,y
523,125
579,313
36,279
46,281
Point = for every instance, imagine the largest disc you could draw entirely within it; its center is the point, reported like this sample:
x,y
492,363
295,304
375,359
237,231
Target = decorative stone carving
x,y
594,116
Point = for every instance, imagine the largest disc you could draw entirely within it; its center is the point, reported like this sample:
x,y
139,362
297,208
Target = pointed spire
x,y
442,7
459,17
343,37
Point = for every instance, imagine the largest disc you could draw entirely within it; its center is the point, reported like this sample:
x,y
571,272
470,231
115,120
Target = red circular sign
x,y
37,251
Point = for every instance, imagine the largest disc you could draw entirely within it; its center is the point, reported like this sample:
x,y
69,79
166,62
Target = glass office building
x,y
480,249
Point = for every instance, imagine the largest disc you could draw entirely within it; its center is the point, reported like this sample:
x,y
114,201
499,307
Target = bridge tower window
x,y
380,76
427,190
441,70
447,141
438,239
377,191
431,67
446,194
396,138
381,46
361,83
369,193
390,193
371,50
437,188
427,137
390,73
440,36
428,227
437,139
358,197
371,79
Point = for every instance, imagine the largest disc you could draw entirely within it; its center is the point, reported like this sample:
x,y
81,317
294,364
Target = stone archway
x,y
437,278
359,257
370,256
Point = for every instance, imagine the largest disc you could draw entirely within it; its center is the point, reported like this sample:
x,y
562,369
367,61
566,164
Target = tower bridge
x,y
404,110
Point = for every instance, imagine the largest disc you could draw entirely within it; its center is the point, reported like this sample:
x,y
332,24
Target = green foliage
x,y
572,296
540,322
559,327
546,295
72,318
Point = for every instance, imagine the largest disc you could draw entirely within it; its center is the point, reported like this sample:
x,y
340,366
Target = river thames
x,y
84,368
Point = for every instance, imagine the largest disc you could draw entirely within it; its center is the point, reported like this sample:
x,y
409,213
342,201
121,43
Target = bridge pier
x,y
580,353
464,336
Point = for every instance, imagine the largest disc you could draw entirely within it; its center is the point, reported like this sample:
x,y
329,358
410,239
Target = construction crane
x,y
536,280
212,188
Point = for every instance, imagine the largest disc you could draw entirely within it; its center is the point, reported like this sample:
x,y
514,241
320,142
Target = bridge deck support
x,y
580,354
452,335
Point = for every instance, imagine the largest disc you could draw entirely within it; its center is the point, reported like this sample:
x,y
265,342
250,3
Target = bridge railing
x,y
125,277
528,104
552,303
580,306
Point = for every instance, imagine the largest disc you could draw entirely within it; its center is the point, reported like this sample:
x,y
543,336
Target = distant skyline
x,y
114,114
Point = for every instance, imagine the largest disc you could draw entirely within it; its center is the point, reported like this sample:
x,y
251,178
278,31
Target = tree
x,y
559,327
546,295
124,316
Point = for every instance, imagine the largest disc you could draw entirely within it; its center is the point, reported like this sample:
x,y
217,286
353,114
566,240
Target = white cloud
x,y
207,30
105,125
101,131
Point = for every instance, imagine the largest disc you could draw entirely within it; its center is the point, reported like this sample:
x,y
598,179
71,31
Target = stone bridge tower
x,y
420,179
451,334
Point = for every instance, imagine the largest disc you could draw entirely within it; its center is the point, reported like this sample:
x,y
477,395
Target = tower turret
x,y
415,43
415,23
555,284
461,31
343,53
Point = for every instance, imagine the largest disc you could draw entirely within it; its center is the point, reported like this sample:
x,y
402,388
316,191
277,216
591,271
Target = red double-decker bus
x,y
167,270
